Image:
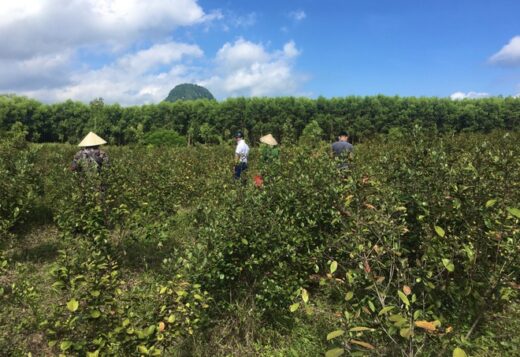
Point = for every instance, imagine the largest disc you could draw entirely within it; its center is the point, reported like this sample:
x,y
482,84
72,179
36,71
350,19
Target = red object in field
x,y
259,181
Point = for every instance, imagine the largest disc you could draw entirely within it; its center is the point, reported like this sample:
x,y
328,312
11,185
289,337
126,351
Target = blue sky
x,y
134,51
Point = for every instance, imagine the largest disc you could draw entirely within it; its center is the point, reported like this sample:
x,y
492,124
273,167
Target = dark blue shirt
x,y
340,148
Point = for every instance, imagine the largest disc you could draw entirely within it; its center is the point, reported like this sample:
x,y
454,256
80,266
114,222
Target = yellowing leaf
x,y
405,332
425,325
162,326
335,352
384,310
294,307
360,328
407,290
459,352
334,334
363,344
440,232
305,296
403,298
73,305
333,267
349,295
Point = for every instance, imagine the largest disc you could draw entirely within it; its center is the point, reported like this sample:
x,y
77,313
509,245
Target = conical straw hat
x,y
91,140
269,140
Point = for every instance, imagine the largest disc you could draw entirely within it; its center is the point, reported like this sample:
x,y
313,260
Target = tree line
x,y
205,121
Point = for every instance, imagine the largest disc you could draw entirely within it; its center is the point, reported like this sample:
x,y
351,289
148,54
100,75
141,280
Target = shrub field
x,y
414,251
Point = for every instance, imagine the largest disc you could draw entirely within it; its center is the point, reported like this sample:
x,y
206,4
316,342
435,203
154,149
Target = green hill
x,y
187,91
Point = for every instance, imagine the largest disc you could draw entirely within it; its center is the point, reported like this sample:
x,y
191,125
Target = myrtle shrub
x,y
264,242
429,244
19,186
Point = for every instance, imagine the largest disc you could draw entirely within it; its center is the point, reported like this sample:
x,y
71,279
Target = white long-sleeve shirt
x,y
242,151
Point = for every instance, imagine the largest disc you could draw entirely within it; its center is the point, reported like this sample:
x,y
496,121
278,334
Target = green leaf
x,y
95,293
360,328
371,306
440,232
384,310
334,334
244,241
95,314
73,305
459,352
65,345
171,318
335,352
514,211
396,318
333,267
305,296
448,264
93,354
490,203
294,307
403,297
142,349
349,295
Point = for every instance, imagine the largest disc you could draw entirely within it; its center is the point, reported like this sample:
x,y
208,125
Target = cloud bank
x,y
125,52
509,55
469,95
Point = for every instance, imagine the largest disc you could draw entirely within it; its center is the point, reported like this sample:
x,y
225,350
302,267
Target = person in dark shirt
x,y
342,150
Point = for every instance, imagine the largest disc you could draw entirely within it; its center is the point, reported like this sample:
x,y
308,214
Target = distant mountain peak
x,y
188,91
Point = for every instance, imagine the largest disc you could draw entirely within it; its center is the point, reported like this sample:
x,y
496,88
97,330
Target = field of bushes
x,y
414,251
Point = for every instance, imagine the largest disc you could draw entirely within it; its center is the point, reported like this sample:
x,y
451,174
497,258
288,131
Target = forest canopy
x,y
285,117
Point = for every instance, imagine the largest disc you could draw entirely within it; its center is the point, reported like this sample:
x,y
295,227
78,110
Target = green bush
x,y
262,243
163,137
19,184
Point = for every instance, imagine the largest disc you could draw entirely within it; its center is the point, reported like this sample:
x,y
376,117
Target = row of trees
x,y
286,117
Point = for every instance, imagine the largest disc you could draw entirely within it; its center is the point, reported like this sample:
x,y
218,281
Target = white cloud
x,y
249,69
469,95
48,47
157,55
244,20
30,28
241,53
298,15
142,77
509,55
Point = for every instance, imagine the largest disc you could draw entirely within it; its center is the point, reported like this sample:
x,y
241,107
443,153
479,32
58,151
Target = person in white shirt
x,y
241,153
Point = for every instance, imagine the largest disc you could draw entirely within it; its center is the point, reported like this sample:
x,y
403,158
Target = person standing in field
x,y
342,150
269,153
241,154
90,157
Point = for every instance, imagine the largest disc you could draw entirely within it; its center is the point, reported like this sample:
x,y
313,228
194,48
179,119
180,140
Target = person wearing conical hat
x,y
90,156
268,148
269,153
